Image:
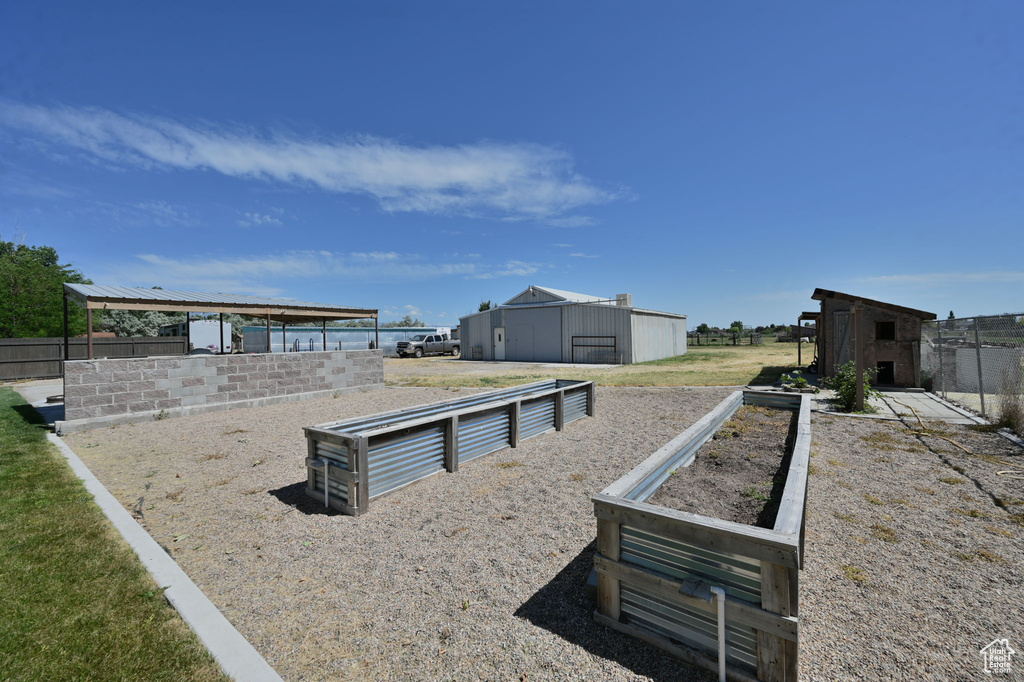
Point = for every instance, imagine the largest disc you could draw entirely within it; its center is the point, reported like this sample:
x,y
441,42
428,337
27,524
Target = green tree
x,y
138,323
703,328
736,327
407,321
484,305
32,292
951,315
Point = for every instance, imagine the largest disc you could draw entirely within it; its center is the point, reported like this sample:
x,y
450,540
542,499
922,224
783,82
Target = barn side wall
x,y
657,336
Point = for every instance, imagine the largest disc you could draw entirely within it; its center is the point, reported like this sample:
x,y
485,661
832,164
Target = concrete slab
x,y
902,404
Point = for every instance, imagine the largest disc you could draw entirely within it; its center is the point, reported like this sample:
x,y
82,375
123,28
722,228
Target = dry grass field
x,y
701,366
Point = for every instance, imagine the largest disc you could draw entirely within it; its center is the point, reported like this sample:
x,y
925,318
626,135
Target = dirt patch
x,y
739,474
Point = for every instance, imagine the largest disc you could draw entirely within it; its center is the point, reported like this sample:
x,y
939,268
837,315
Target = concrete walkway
x,y
897,404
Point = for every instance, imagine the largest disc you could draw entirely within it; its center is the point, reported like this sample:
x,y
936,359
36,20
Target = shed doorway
x,y
499,343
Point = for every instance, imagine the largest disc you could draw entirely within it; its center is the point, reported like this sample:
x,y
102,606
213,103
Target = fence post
x,y
451,444
981,383
942,371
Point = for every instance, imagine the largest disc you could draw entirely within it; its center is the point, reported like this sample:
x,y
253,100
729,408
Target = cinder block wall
x,y
110,388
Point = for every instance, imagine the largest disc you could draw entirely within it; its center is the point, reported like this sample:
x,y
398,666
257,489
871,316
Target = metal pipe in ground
x,y
720,599
981,382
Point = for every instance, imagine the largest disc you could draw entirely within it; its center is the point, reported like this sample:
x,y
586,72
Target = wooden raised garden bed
x,y
352,462
660,570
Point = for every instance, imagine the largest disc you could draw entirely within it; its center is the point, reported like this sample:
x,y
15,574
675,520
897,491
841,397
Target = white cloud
x,y
945,278
413,310
258,220
562,246
268,274
484,179
583,255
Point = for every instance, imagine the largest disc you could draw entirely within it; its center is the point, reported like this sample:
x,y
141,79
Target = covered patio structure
x,y
96,297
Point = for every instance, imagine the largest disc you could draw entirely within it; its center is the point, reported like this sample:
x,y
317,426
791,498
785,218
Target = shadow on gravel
x,y
294,495
564,608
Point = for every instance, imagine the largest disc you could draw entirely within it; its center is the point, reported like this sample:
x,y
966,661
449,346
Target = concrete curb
x,y
231,650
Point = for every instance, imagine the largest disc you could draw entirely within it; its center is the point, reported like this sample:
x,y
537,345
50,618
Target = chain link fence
x,y
978,363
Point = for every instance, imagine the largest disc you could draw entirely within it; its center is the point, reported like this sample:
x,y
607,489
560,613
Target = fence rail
x,y
41,358
977,362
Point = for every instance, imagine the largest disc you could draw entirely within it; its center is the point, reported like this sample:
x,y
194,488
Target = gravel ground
x,y
480,575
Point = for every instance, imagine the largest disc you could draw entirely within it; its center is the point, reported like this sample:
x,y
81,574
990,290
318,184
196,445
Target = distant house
x,y
541,324
891,337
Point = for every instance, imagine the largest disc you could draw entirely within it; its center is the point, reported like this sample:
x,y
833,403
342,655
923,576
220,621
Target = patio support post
x,y
981,381
269,350
324,327
858,349
222,332
376,332
66,342
88,315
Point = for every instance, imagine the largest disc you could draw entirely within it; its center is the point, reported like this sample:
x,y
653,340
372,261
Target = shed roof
x,y
96,297
822,294
569,296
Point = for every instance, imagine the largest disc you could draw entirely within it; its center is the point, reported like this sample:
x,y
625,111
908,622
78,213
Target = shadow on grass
x,y
41,418
294,495
770,374
564,608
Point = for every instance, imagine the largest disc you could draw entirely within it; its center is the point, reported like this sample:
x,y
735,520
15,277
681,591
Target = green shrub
x,y
844,383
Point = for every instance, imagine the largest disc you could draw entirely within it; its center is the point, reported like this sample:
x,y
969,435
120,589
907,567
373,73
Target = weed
x,y
162,414
850,518
837,463
224,481
212,455
844,484
753,492
1005,502
578,477
981,554
811,469
882,460
884,533
257,462
234,431
855,574
510,464
253,491
973,513
175,495
926,491
873,500
844,383
999,531
952,480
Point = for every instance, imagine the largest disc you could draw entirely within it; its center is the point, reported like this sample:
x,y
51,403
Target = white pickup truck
x,y
428,344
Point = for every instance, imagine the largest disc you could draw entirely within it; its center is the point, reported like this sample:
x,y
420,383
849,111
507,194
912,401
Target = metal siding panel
x,y
339,489
597,320
690,626
483,433
656,337
395,461
575,406
537,417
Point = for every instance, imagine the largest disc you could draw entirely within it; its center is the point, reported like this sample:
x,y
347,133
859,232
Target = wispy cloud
x,y
484,179
260,274
945,278
562,246
583,255
255,219
511,268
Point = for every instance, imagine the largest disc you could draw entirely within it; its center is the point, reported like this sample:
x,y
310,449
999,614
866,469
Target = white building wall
x,y
657,336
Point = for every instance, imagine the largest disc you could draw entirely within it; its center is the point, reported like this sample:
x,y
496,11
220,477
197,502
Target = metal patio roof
x,y
97,297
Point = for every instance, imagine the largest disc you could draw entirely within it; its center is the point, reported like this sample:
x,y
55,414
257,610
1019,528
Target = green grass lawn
x,y
715,365
76,602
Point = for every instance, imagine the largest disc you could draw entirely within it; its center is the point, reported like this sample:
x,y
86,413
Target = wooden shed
x,y
889,334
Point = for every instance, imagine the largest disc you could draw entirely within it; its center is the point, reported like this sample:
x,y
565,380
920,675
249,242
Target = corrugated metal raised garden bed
x,y
352,462
679,580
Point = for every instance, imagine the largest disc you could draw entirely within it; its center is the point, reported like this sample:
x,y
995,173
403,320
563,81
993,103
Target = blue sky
x,y
719,160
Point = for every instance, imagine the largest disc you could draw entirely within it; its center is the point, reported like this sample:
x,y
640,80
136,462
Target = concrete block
x,y
114,366
227,388
168,404
97,400
216,380
96,378
167,363
204,390
181,372
80,412
139,386
72,380
154,374
108,410
80,391
181,392
258,375
217,398
193,400
112,387
275,375
153,395
71,402
141,406
238,378
165,384
129,375
192,381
